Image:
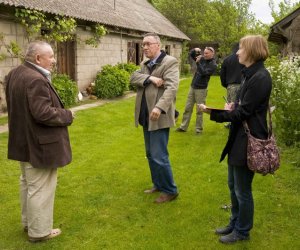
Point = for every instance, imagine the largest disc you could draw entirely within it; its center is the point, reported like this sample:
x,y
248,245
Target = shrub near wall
x,y
130,68
111,82
66,89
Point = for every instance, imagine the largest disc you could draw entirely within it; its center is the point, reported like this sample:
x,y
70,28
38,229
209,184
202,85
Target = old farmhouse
x,y
125,20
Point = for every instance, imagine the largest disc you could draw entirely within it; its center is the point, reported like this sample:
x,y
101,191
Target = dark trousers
x,y
242,211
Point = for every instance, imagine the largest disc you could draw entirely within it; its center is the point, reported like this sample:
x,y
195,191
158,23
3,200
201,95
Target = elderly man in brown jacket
x,y
157,83
38,137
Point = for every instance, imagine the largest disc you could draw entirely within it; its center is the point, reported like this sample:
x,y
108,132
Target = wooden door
x,y
134,52
66,59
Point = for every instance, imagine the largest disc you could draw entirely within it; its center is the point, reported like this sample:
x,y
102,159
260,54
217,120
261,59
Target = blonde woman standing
x,y
251,106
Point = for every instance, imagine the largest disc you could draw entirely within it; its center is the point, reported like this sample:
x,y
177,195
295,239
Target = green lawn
x,y
3,120
100,202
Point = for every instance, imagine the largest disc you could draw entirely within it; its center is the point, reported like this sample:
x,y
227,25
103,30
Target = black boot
x,y
233,237
224,230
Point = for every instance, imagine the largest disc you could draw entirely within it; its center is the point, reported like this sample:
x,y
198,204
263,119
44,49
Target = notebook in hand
x,y
210,108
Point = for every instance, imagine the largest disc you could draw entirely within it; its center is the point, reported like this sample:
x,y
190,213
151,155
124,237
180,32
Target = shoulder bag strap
x,y
270,121
270,128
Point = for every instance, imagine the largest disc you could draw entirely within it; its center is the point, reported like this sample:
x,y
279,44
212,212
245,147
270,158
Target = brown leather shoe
x,y
54,233
165,198
151,191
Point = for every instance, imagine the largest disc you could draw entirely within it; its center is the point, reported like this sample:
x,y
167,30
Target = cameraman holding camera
x,y
206,66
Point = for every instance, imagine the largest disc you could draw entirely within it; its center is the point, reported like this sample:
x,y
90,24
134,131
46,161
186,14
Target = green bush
x,y
66,88
111,82
286,97
185,69
130,68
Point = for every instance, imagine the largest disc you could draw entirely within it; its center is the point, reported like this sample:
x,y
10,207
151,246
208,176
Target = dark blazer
x,y
253,105
37,120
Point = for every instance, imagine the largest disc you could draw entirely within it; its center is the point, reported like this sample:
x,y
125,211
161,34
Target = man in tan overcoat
x,y
157,83
38,137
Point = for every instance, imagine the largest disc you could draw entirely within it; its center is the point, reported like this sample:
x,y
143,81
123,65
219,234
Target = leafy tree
x,y
230,22
220,21
186,15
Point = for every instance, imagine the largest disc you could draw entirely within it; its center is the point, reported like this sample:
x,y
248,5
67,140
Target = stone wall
x,y
89,60
11,32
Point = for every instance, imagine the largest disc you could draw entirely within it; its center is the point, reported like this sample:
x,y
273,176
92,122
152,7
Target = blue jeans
x,y
156,143
242,211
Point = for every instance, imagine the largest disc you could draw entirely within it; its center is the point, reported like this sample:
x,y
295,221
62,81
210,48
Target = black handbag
x,y
262,155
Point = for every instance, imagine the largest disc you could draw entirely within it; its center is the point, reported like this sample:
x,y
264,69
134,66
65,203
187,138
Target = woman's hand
x,y
229,106
202,108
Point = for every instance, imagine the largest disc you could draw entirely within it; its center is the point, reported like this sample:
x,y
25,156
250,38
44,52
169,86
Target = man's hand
x,y
198,54
198,58
155,114
156,81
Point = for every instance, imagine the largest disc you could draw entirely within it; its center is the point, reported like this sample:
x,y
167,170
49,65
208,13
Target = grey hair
x,y
35,48
154,35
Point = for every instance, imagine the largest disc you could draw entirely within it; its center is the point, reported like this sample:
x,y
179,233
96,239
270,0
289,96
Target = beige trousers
x,y
37,191
232,91
195,96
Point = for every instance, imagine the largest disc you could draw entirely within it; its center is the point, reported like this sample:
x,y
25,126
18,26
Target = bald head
x,y
41,54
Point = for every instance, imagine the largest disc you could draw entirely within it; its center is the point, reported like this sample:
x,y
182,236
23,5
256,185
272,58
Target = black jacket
x,y
205,68
253,105
231,70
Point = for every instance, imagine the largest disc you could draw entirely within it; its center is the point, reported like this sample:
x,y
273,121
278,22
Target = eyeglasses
x,y
147,44
211,49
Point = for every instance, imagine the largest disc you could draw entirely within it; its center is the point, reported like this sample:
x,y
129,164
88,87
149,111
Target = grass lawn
x,y
100,202
3,120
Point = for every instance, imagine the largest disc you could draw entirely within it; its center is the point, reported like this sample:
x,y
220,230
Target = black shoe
x,y
233,237
180,130
224,230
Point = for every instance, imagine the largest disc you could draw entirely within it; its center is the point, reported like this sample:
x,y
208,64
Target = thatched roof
x,y
138,15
